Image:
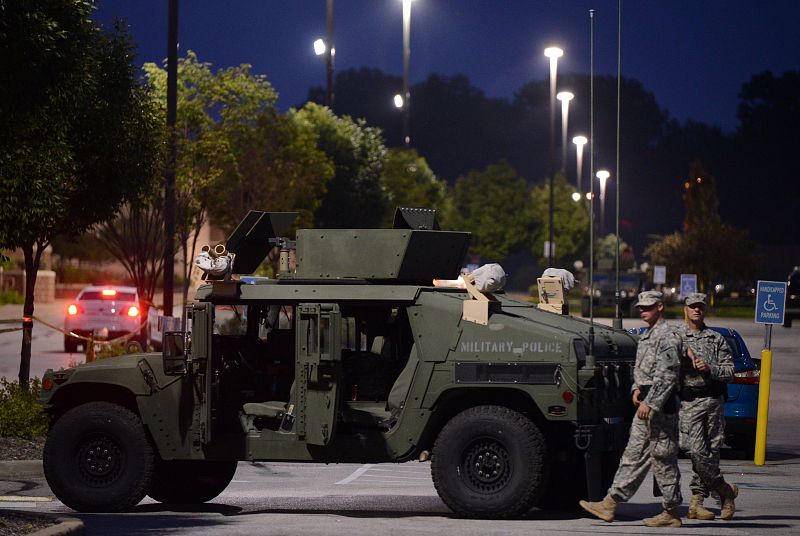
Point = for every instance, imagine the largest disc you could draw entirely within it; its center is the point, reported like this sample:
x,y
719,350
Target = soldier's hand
x,y
635,397
643,412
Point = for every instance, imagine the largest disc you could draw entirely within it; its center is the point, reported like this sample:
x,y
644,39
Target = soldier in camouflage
x,y
706,367
653,437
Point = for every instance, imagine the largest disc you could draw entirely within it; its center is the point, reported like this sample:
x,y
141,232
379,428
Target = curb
x,y
21,468
64,526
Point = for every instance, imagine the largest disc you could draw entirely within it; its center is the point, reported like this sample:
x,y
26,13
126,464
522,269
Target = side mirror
x,y
173,353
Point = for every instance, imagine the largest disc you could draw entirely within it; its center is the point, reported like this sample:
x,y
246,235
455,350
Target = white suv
x,y
107,311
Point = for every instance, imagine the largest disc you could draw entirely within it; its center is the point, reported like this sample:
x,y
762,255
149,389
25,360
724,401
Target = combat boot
x,y
604,509
727,493
667,518
697,510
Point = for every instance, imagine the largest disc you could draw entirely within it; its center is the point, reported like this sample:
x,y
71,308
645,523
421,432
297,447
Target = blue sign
x,y
770,302
688,284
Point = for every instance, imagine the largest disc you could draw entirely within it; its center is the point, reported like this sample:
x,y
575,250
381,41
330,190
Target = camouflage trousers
x,y
652,442
702,426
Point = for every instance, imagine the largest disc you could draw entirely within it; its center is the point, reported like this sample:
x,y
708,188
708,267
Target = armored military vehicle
x,y
355,356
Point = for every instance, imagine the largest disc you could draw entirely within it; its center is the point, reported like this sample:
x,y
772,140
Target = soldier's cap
x,y
696,297
649,297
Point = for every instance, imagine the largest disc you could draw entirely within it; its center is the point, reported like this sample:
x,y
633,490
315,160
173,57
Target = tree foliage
x,y
493,205
716,252
409,182
79,137
354,196
570,221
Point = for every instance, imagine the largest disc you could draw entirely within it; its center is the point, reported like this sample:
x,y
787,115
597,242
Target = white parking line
x,y
357,473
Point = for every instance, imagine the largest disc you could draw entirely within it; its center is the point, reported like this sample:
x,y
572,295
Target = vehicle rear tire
x,y
190,481
489,462
97,458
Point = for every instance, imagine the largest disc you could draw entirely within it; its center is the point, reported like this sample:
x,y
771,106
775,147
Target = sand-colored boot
x,y
604,509
728,493
697,510
667,518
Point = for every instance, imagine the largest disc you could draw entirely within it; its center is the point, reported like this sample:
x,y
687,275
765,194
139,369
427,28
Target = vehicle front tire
x,y
190,481
97,458
488,462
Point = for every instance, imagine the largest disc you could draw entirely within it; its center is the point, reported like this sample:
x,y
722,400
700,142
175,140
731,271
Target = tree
x,y
409,182
716,252
570,221
135,237
78,136
493,205
354,197
216,114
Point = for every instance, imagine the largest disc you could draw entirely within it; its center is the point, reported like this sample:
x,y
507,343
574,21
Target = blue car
x,y
741,405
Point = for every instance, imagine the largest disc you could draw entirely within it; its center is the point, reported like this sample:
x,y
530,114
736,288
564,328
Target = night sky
x,y
693,54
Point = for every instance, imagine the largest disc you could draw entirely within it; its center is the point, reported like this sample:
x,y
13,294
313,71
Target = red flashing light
x,y
568,396
47,384
109,292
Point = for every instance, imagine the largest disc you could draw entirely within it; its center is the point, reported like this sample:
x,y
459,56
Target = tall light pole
x,y
325,46
406,55
553,53
564,97
603,176
579,142
169,176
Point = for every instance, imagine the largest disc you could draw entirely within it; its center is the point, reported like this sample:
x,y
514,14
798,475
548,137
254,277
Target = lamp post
x,y
603,176
553,53
564,97
579,142
325,46
406,54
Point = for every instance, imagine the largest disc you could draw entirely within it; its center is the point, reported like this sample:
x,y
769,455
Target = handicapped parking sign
x,y
770,302
688,284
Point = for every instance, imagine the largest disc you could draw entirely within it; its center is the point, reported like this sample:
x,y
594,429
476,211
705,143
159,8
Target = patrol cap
x,y
696,297
649,297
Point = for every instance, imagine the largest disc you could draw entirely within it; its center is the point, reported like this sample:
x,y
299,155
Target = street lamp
x,y
579,142
576,196
564,97
406,55
603,175
398,101
553,53
325,46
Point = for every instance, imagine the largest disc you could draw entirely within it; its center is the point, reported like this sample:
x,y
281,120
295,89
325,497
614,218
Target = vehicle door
x,y
318,371
200,316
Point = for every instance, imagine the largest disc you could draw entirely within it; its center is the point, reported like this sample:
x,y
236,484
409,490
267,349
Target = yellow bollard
x,y
763,407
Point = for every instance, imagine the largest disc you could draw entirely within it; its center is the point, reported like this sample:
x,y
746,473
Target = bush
x,y
11,296
20,412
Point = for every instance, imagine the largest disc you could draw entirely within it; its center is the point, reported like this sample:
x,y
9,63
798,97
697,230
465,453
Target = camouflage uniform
x,y
702,398
654,441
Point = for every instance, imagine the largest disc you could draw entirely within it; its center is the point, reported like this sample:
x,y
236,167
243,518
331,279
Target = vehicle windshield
x,y
98,295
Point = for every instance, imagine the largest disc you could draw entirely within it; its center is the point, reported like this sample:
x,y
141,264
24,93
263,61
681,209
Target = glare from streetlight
x,y
580,140
553,52
576,196
319,47
603,175
589,195
398,101
565,96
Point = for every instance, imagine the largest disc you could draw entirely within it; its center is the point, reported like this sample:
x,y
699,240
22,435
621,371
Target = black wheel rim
x,y
486,465
99,459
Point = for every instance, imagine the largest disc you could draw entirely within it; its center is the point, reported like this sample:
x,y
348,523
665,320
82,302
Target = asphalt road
x,y
286,498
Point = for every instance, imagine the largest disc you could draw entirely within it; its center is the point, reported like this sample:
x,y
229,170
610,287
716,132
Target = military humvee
x,y
359,357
